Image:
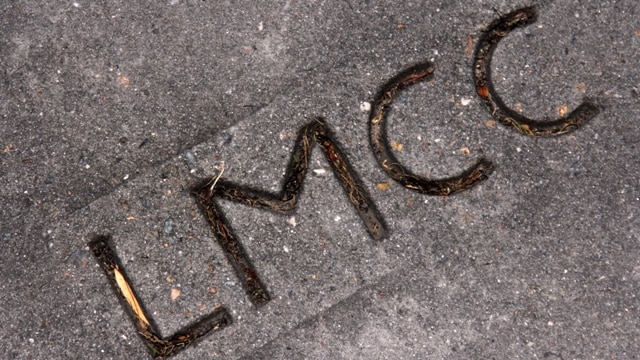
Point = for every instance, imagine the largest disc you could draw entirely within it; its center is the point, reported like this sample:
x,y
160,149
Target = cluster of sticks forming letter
x,y
317,132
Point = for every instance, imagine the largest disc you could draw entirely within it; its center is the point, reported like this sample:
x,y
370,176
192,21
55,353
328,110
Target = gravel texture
x,y
111,111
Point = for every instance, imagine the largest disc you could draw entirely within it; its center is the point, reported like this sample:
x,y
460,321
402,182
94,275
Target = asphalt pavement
x,y
110,112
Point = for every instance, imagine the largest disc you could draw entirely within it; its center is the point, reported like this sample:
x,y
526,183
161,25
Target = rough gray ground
x,y
110,111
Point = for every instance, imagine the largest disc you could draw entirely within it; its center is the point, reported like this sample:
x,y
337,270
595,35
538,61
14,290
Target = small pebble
x,y
191,158
168,227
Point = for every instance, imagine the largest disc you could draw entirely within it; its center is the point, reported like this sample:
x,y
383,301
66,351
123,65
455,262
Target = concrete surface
x,y
111,110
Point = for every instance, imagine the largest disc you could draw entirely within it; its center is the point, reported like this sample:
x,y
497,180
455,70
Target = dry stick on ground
x,y
315,132
159,347
484,87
